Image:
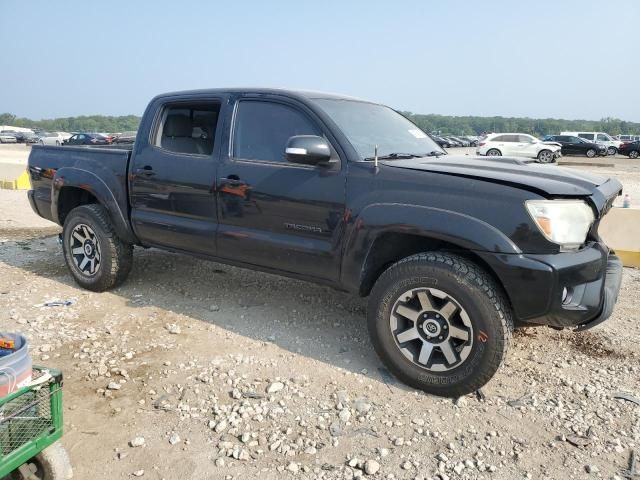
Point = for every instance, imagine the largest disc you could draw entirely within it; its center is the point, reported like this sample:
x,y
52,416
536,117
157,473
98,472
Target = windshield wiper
x,y
397,156
435,153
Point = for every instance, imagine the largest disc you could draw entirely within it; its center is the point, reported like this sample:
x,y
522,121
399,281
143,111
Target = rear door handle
x,y
145,171
233,181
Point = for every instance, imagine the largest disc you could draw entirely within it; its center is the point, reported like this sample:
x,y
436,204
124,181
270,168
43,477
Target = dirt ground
x,y
218,372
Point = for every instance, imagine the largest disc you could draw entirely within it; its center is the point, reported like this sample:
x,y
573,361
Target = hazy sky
x,y
562,59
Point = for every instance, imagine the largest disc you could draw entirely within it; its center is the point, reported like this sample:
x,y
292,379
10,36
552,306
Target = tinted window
x,y
262,130
588,136
603,138
525,139
188,128
500,138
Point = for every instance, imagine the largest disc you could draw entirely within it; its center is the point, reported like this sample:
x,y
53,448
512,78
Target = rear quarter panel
x,y
100,171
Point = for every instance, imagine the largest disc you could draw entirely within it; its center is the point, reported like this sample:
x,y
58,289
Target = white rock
x,y
114,386
137,442
219,462
174,438
173,328
293,467
138,473
344,415
371,467
275,387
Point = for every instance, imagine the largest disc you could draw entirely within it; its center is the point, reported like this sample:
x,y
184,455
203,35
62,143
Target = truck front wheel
x,y
95,256
439,323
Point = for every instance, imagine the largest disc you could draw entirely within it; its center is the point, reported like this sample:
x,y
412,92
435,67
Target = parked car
x,y
463,142
473,141
441,141
577,146
19,136
126,138
86,139
452,251
631,149
6,137
520,145
598,137
626,138
453,141
52,138
30,138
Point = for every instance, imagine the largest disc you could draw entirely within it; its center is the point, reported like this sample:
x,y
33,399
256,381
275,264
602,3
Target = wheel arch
x,y
73,187
375,245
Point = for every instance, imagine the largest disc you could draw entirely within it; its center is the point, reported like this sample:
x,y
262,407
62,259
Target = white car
x,y
7,138
518,145
54,138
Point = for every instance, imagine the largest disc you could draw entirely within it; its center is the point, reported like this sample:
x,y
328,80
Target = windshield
x,y
367,125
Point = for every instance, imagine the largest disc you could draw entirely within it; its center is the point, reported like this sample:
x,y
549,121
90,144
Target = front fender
x,y
466,232
114,201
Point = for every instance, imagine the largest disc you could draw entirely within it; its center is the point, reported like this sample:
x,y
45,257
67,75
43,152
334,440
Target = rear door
x,y
571,146
172,177
273,213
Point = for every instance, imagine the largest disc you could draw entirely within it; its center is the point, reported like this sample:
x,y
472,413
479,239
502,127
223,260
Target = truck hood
x,y
545,180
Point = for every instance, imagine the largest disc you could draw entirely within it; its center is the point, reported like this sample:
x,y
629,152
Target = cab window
x,y
262,130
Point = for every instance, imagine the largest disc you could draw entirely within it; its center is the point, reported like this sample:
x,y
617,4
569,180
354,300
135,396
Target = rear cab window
x,y
187,128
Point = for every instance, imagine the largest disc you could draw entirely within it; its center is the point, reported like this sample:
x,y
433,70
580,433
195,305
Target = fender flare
x,y
96,186
464,231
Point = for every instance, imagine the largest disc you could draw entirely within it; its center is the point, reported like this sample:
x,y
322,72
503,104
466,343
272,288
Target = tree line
x,y
85,123
445,124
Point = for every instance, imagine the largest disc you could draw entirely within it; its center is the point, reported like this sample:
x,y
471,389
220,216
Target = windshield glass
x,y
367,125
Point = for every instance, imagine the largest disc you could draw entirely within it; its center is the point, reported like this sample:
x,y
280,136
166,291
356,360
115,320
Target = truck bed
x,y
108,164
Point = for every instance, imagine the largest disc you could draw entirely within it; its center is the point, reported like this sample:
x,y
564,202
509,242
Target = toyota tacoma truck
x,y
453,252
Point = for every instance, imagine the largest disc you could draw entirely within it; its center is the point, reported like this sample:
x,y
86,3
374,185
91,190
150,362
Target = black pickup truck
x,y
453,251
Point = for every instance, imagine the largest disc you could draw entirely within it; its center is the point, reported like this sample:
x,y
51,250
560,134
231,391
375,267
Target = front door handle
x,y
145,171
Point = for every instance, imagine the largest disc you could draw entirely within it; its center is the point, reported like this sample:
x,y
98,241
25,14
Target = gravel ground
x,y
197,370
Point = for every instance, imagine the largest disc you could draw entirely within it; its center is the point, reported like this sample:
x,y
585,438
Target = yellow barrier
x,y
620,229
20,183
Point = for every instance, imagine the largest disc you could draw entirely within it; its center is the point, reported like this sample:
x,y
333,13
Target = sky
x,y
543,59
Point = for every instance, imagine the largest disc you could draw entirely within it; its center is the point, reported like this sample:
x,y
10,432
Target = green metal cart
x,y
30,427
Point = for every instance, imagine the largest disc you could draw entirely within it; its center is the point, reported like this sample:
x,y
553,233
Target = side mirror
x,y
308,150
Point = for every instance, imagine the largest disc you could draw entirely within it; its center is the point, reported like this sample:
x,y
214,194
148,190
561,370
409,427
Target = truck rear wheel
x,y
95,256
439,323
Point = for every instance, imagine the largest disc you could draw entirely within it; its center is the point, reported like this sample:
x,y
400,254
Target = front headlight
x,y
565,222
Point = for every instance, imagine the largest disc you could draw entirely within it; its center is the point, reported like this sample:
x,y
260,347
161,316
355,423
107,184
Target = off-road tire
x,y
116,255
477,293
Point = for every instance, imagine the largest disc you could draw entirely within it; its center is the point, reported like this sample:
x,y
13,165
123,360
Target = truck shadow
x,y
300,317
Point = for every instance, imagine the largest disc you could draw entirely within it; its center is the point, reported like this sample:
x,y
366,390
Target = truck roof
x,y
299,94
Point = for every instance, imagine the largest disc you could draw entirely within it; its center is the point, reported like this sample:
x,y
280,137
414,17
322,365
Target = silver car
x,y
7,138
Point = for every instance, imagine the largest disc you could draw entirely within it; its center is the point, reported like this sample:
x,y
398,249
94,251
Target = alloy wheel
x,y
633,154
431,329
545,156
85,249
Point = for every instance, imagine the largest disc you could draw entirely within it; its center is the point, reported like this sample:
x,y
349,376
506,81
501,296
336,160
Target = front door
x,y
273,213
173,202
